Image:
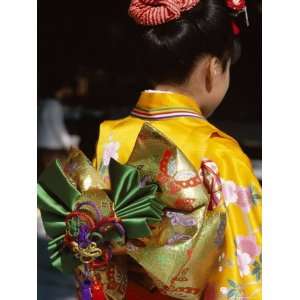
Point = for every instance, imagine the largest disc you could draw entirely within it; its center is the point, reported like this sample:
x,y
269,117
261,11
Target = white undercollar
x,y
158,91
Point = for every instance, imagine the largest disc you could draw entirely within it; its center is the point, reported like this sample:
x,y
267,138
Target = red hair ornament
x,y
156,12
238,6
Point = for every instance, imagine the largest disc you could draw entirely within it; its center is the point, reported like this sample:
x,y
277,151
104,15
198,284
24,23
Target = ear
x,y
213,70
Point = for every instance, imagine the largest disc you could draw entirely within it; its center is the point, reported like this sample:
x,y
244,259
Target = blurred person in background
x,y
60,86
54,140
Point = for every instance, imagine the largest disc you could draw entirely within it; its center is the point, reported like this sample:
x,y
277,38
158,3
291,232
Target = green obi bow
x,y
157,206
132,209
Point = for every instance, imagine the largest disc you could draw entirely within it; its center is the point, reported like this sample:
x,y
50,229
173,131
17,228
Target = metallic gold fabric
x,y
233,190
157,176
80,171
64,194
186,234
161,161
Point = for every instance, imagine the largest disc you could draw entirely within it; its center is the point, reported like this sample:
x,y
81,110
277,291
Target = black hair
x,y
167,53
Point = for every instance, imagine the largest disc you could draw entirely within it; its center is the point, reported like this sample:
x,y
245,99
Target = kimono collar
x,y
155,105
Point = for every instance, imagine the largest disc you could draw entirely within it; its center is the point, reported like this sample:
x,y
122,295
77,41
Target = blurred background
x,y
85,76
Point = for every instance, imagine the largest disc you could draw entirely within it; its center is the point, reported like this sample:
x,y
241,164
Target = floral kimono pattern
x,y
226,172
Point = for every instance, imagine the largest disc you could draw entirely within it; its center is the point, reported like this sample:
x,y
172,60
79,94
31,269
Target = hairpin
x,y
238,7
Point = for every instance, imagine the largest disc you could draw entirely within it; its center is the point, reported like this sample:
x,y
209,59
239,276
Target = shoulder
x,y
120,134
226,153
118,124
118,129
220,140
227,147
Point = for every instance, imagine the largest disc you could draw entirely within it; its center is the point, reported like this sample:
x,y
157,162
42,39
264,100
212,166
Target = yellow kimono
x,y
228,175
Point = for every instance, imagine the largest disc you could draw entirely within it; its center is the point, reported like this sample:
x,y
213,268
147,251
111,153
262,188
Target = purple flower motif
x,y
181,219
219,240
178,237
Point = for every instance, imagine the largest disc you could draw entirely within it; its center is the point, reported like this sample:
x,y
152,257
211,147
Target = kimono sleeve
x,y
238,271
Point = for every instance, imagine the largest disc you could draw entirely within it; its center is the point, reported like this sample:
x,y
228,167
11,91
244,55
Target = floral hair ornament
x,y
238,7
156,12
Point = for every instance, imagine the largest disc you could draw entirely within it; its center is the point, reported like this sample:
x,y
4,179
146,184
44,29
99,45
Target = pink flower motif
x,y
247,250
244,198
247,244
244,260
110,151
229,190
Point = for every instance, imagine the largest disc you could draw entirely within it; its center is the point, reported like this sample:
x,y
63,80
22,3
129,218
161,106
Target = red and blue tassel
x,y
97,291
